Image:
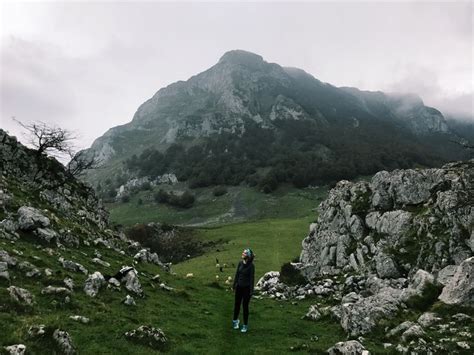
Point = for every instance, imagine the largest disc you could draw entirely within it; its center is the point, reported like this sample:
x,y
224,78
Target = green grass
x,y
238,205
196,317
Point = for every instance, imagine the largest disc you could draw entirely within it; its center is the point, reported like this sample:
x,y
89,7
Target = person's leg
x,y
246,301
238,301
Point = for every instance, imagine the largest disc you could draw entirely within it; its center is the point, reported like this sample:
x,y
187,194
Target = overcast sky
x,y
87,66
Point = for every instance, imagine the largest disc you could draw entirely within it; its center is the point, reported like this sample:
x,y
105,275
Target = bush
x,y
186,200
424,301
161,196
219,191
291,276
172,244
125,198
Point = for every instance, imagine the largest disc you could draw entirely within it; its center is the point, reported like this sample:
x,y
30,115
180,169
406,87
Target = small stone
x,y
37,330
414,332
427,319
69,283
64,341
52,290
80,319
100,262
463,345
147,335
129,301
93,283
350,347
21,295
17,349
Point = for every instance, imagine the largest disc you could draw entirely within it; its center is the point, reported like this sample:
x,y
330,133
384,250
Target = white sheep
x,y
190,275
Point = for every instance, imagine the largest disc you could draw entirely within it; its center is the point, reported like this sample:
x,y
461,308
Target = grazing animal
x,y
190,275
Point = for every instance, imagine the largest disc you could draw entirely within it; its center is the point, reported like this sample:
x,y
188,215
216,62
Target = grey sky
x,y
87,66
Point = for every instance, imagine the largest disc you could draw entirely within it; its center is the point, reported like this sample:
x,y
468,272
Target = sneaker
x,y
244,329
235,324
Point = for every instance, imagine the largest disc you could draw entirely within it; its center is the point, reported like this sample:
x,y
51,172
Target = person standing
x,y
243,288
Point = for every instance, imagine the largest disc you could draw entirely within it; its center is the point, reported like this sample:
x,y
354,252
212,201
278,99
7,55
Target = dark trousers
x,y
242,295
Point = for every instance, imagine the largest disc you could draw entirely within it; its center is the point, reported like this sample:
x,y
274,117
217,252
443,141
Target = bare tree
x,y
57,142
48,139
80,163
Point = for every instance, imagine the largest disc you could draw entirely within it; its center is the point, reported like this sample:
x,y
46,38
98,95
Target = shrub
x,y
426,299
219,191
125,198
290,275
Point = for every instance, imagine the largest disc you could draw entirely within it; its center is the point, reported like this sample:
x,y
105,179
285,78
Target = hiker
x,y
243,288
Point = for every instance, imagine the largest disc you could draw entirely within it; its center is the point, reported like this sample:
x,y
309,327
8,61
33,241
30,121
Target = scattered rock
x,y
461,317
147,335
37,330
351,347
80,319
400,328
46,234
72,266
29,269
53,290
17,349
313,313
129,301
165,287
460,288
30,218
93,283
427,319
64,341
21,295
4,271
132,283
113,282
69,283
414,332
463,345
100,262
5,257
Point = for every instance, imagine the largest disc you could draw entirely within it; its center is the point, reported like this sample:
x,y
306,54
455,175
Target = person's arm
x,y
236,277
252,278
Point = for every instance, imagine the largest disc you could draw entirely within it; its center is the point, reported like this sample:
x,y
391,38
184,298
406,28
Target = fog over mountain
x,y
73,64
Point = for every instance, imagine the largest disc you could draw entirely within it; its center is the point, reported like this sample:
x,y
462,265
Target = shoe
x,y
235,324
244,329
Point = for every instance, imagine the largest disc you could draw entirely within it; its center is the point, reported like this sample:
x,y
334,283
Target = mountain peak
x,y
241,57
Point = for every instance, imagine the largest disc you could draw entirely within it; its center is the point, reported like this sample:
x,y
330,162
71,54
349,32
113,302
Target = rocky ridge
x,y
387,248
50,218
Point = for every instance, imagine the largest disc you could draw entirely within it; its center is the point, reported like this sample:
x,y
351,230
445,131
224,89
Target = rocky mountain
x,y
394,252
244,106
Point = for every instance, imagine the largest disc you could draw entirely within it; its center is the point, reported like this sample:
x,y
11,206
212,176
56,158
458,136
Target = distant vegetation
x,y
185,200
299,152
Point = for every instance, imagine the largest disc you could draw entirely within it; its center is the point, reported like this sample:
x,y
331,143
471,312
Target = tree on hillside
x,y
56,142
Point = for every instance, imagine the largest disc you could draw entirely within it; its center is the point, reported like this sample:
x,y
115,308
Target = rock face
x,y
243,90
362,316
460,288
393,225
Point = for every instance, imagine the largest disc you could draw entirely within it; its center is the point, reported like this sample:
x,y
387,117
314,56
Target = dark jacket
x,y
244,276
